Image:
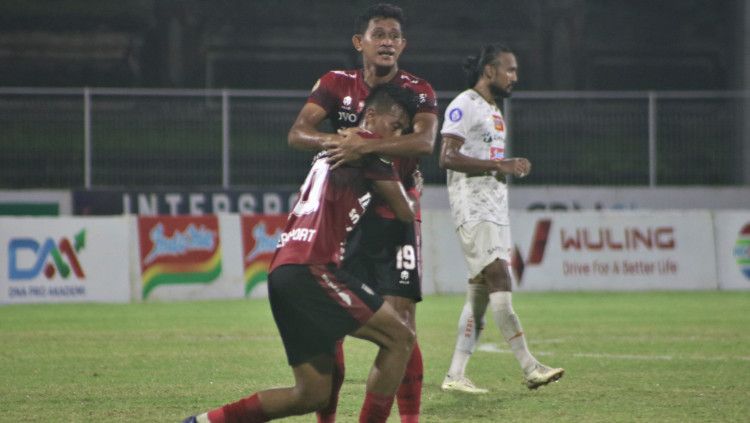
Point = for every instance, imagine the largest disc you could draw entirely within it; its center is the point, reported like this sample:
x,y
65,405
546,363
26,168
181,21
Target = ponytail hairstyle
x,y
474,65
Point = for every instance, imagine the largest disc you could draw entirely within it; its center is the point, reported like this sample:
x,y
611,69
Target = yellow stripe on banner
x,y
171,268
256,267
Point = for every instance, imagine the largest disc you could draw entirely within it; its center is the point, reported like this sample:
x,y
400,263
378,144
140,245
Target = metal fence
x,y
71,138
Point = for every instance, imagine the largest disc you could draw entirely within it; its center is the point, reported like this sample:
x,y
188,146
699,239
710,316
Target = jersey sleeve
x,y
323,93
426,98
457,118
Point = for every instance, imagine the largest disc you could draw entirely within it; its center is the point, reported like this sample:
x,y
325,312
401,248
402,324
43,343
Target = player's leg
x,y
499,283
471,321
328,413
310,393
409,393
469,330
309,322
396,341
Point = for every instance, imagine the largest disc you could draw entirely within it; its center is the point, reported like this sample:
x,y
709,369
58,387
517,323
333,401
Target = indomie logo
x,y
192,239
49,257
661,238
264,243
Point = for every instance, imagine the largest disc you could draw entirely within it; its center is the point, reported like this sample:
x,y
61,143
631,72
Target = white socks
x,y
469,329
510,327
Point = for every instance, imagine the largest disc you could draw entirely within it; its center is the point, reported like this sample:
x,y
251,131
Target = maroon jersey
x,y
342,95
330,205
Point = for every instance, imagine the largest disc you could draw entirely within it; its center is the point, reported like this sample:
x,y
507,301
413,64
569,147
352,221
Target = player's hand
x,y
518,167
346,148
418,180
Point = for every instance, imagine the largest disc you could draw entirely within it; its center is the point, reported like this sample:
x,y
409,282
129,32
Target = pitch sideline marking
x,y
493,348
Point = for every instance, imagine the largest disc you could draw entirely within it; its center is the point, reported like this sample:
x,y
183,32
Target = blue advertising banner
x,y
183,202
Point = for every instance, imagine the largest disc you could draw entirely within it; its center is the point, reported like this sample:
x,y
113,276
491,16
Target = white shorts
x,y
484,242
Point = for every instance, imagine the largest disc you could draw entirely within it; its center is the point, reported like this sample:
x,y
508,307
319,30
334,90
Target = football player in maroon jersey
x,y
393,254
315,302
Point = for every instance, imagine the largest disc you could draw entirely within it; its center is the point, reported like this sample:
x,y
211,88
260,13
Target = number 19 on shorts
x,y
406,258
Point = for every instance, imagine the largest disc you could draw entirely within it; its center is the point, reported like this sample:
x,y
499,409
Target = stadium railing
x,y
106,137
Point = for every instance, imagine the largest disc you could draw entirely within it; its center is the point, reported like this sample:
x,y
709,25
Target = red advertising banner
x,y
178,250
260,234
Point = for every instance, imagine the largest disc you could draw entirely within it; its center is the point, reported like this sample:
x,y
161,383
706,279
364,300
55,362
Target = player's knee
x,y
310,400
404,338
496,276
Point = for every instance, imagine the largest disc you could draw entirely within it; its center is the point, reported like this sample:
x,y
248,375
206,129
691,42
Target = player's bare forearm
x,y
304,134
352,147
305,139
420,142
452,158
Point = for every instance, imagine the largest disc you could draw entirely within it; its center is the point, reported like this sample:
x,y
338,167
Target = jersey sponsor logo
x,y
497,153
349,117
315,87
455,114
296,234
741,250
499,123
347,101
422,98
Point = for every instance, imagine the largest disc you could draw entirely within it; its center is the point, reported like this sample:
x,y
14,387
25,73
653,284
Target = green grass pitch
x,y
651,357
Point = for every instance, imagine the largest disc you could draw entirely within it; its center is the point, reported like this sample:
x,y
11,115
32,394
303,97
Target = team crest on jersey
x,y
455,114
497,153
499,123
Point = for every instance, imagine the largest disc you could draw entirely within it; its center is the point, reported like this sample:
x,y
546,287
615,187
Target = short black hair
x,y
383,97
474,65
380,10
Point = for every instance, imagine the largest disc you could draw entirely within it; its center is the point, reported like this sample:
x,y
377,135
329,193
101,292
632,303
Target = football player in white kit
x,y
473,152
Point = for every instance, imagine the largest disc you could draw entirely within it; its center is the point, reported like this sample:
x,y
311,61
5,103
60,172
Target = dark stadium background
x,y
562,46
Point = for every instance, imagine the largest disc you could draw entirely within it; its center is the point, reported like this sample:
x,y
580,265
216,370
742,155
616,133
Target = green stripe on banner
x,y
29,209
181,279
254,281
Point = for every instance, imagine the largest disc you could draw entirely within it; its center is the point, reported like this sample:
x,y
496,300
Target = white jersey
x,y
476,197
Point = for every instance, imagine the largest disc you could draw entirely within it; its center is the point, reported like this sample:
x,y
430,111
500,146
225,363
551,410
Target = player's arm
x,y
452,158
394,194
420,142
304,133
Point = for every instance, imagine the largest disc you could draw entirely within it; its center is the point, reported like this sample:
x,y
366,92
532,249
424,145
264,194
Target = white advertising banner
x,y
68,259
733,248
614,250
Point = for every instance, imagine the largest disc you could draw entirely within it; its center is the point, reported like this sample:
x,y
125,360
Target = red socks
x,y
409,394
246,410
328,415
376,408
